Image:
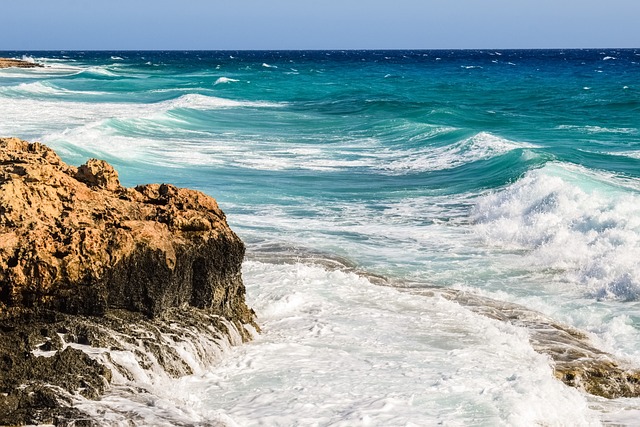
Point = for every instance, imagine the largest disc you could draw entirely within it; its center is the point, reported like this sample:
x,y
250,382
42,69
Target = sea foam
x,y
222,80
570,221
323,328
481,146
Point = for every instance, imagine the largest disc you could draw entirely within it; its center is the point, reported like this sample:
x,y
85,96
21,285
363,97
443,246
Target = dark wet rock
x,y
36,389
86,263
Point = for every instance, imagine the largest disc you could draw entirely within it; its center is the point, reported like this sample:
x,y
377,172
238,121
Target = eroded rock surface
x,y
76,246
76,241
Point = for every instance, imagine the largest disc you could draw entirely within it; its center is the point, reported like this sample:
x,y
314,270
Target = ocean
x,y
361,182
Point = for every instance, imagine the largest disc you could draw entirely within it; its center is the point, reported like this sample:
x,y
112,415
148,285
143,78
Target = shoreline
x,y
18,63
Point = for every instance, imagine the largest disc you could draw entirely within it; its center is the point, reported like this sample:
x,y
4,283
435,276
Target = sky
x,y
317,24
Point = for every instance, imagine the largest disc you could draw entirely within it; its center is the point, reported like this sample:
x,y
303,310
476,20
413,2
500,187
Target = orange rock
x,y
74,240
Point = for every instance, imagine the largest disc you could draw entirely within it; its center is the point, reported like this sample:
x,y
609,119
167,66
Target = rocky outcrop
x,y
18,63
77,248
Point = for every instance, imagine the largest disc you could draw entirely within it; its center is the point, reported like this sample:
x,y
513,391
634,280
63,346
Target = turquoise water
x,y
512,174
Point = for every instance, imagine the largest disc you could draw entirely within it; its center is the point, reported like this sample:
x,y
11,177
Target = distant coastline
x,y
18,63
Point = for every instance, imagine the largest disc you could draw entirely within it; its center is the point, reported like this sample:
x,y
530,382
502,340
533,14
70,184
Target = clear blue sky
x,y
317,24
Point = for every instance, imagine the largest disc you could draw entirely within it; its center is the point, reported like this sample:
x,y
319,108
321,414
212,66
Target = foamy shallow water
x,y
338,350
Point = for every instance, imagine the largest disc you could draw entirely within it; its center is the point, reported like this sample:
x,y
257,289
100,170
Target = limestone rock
x,y
76,241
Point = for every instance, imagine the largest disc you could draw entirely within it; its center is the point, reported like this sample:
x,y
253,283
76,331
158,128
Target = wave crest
x,y
223,80
481,146
571,222
203,102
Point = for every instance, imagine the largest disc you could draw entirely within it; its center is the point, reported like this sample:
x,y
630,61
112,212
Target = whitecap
x,y
265,65
632,154
581,224
597,129
42,88
204,102
608,58
481,146
18,117
36,88
51,70
100,70
222,80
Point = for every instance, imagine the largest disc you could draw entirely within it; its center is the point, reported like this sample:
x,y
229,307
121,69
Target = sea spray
x,y
583,228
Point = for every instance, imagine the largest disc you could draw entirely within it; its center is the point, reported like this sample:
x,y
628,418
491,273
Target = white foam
x,y
223,80
633,154
481,146
337,350
573,221
51,70
42,88
63,115
265,65
598,129
101,70
141,390
204,102
36,88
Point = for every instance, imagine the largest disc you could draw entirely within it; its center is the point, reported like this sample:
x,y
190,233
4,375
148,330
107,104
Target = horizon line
x,y
316,50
